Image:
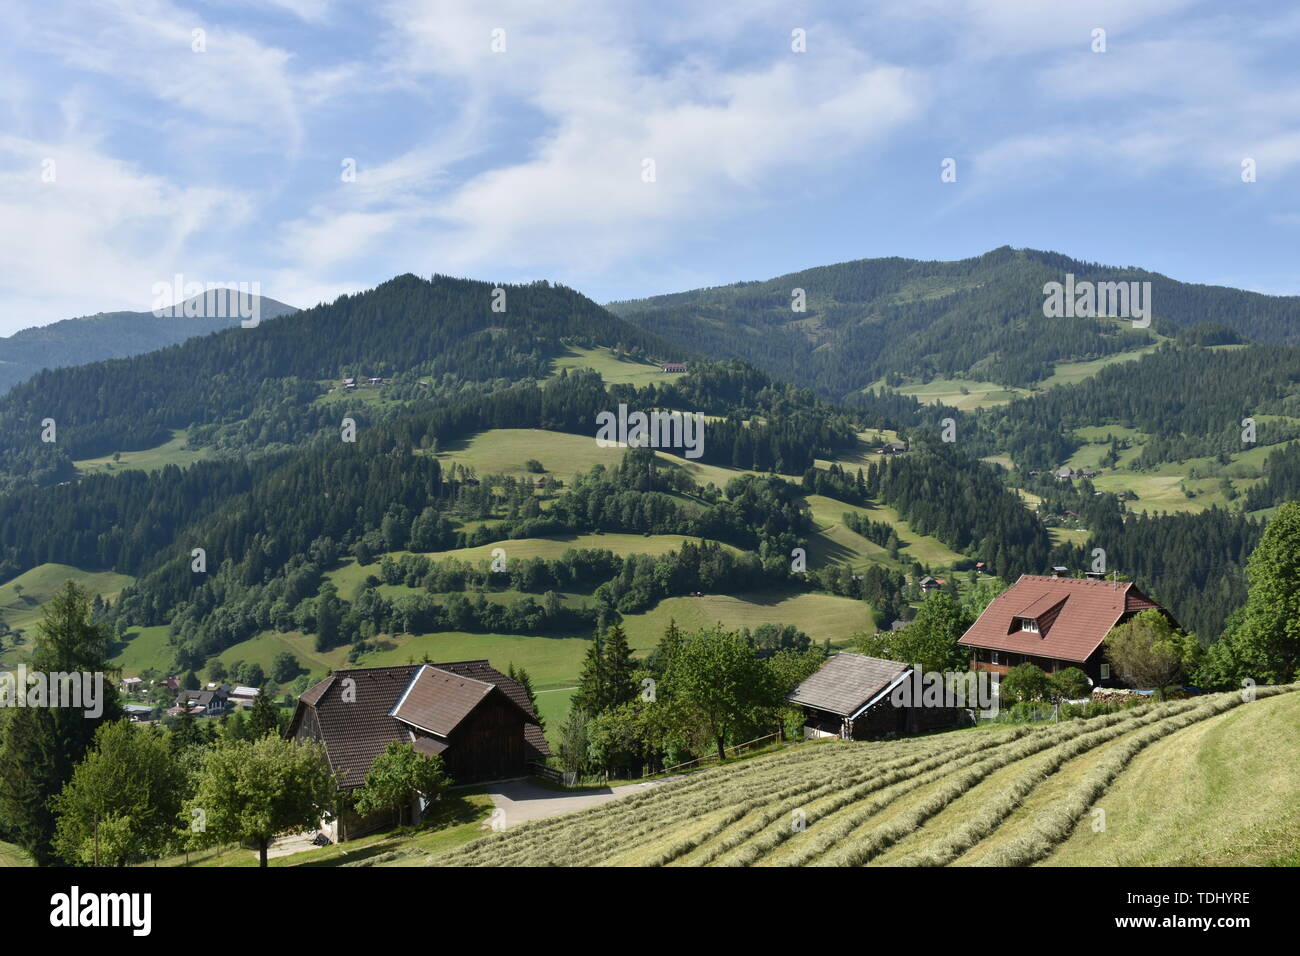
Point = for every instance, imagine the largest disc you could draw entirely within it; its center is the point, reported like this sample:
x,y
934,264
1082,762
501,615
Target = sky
x,y
319,147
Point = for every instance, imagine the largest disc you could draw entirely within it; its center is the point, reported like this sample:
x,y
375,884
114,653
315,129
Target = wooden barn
x,y
478,720
1054,623
850,697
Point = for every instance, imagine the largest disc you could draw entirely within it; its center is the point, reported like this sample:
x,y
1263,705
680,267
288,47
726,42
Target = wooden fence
x,y
550,773
733,751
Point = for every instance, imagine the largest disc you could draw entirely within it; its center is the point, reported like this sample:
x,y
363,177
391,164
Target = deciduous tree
x,y
1147,651
397,777
254,791
123,801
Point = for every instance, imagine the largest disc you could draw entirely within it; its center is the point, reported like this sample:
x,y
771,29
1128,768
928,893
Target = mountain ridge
x,y
978,318
109,335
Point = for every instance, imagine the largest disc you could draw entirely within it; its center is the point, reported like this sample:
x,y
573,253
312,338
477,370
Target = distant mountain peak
x,y
109,335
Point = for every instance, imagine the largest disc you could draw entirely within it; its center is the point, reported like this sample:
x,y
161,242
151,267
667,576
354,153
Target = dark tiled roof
x,y
357,730
200,698
1074,616
438,700
534,736
429,746
846,682
316,691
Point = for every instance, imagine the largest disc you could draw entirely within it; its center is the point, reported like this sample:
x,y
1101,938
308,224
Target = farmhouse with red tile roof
x,y
1054,623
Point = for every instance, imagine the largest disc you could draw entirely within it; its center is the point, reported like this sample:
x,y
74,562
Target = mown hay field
x,y
1005,796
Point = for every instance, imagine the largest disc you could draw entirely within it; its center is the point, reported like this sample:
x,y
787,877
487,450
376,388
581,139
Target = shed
x,y
849,697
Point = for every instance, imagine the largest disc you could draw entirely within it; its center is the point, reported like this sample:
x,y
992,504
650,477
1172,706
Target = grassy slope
x,y
966,395
971,394
821,616
1181,774
1161,488
553,547
349,575
614,370
833,543
1223,792
505,450
1071,373
171,452
38,586
13,855
144,647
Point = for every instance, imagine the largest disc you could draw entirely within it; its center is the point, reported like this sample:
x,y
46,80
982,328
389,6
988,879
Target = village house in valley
x,y
242,696
478,720
929,583
1053,623
850,697
202,703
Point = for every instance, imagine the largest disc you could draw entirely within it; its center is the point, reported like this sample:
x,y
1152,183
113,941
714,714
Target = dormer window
x,y
1029,624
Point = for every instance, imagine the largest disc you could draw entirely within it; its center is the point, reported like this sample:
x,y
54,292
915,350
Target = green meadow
x,y
23,598
613,369
171,452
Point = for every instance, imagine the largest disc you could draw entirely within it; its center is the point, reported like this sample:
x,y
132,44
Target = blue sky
x,y
224,165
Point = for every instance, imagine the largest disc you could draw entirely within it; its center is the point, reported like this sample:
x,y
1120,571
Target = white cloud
x,y
235,81
527,164
100,235
578,82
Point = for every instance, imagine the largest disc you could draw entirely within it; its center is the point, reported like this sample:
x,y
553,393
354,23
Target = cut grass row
x,y
1056,823
615,830
619,828
855,803
866,779
571,835
987,818
841,843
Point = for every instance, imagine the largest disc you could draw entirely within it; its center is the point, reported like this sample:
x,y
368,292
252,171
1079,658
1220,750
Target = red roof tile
x,y
1074,616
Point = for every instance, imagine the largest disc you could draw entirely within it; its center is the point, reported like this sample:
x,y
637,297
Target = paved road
x,y
521,800
288,845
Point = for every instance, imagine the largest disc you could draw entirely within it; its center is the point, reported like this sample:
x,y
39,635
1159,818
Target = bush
x,y
1069,684
1023,683
1027,710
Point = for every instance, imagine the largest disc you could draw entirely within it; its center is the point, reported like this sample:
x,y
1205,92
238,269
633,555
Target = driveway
x,y
288,845
521,800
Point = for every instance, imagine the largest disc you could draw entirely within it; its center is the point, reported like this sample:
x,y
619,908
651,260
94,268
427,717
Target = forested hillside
x,y
107,335
886,319
408,326
283,502
1189,402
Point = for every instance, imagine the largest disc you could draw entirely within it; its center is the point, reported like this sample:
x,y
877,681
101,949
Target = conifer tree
x,y
590,695
619,668
42,745
264,717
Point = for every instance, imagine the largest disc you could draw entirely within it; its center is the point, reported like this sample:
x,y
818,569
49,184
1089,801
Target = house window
x,y
1105,672
996,657
1028,624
